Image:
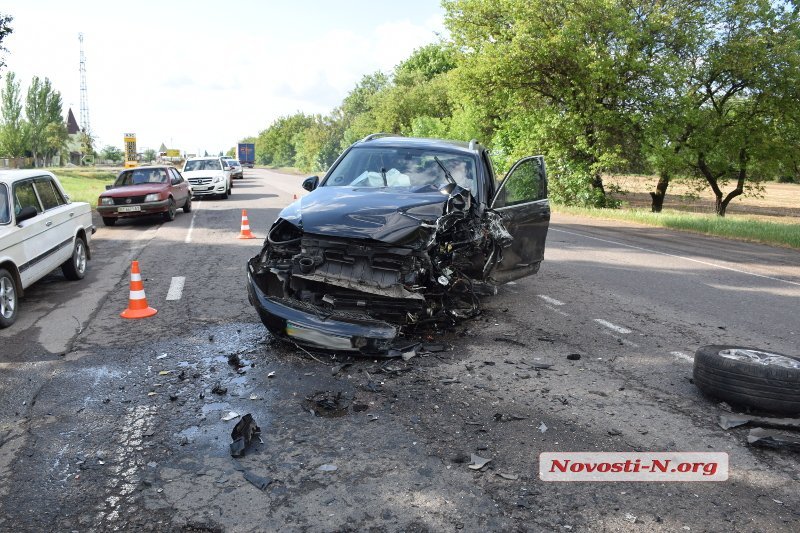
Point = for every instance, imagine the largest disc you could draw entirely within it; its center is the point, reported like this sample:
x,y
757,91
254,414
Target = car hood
x,y
391,215
135,190
202,173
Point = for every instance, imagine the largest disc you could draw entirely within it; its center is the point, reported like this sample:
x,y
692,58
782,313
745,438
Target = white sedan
x,y
40,230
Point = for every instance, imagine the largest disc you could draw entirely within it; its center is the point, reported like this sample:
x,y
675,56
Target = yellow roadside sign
x,y
173,153
130,150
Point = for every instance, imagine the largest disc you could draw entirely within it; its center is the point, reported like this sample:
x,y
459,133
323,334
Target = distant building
x,y
73,147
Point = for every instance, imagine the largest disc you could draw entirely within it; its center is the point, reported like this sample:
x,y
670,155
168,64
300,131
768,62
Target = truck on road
x,y
247,154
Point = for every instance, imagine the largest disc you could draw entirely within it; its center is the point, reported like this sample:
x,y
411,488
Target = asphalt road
x,y
107,423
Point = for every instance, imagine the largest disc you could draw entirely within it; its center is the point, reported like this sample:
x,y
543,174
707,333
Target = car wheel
x,y
749,377
169,214
74,268
8,298
187,206
109,221
225,194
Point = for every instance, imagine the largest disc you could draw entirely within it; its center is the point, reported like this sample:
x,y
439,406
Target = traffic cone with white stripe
x,y
245,233
137,303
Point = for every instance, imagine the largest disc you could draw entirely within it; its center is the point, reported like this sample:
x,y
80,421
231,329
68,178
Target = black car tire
x,y
109,221
226,194
169,214
74,268
187,205
772,385
9,299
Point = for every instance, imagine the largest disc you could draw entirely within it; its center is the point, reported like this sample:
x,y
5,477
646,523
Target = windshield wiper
x,y
383,175
444,168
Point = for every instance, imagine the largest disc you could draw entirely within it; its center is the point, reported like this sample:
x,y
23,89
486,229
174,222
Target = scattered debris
x,y
408,355
773,439
477,462
735,420
335,369
510,341
219,389
271,374
328,404
328,468
257,481
500,417
543,427
254,397
151,393
242,435
162,356
574,357
230,416
512,477
725,407
165,372
234,360
433,347
539,366
614,432
630,518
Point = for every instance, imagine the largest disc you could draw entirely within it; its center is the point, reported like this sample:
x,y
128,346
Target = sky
x,y
200,75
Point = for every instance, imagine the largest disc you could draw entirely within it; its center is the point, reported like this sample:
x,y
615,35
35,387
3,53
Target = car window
x,y
174,174
25,196
140,176
50,196
524,183
402,167
202,164
5,211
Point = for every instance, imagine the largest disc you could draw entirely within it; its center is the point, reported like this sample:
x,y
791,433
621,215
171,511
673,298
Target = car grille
x,y
200,181
125,200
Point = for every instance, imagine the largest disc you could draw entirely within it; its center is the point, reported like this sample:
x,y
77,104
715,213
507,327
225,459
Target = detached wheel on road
x,y
187,206
74,268
8,298
109,221
749,377
169,214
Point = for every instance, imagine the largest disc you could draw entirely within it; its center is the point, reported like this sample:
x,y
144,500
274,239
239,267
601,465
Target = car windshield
x,y
141,176
5,212
202,164
402,167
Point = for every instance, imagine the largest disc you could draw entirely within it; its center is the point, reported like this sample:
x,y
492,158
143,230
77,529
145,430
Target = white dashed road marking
x,y
176,288
559,311
188,238
550,300
683,356
609,325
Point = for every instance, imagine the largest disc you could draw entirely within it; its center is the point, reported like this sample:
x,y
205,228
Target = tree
x,y
12,127
5,31
231,152
149,155
111,153
277,145
43,107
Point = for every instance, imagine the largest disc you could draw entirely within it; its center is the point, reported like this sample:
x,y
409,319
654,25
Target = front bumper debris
x,y
317,328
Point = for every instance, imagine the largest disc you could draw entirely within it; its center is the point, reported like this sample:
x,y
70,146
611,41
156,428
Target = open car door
x,y
521,200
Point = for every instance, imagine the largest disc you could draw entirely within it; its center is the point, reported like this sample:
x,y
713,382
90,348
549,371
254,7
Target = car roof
x,y
10,176
146,167
417,142
204,158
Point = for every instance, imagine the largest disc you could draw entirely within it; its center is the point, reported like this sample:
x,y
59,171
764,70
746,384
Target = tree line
x,y
698,90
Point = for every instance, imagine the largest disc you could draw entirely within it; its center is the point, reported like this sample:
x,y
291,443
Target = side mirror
x,y
109,187
26,213
311,183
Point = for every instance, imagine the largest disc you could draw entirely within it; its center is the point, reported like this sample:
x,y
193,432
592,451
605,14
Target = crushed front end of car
x,y
353,271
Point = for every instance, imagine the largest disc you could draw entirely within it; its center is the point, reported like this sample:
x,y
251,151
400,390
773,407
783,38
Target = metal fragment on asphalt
x,y
477,462
230,416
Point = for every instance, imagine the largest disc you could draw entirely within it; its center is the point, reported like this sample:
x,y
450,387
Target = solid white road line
x,y
676,256
176,288
609,325
683,356
550,300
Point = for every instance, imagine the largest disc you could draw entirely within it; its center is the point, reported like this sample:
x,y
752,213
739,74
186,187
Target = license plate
x,y
129,208
325,340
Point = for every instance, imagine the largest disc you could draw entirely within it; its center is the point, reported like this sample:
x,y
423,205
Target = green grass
x,y
733,227
84,184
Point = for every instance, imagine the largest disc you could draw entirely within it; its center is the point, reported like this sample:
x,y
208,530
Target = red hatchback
x,y
145,191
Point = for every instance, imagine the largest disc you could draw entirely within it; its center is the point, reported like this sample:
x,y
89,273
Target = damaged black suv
x,y
400,231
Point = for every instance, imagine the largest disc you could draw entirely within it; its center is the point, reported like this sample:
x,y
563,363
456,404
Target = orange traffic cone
x,y
137,303
245,233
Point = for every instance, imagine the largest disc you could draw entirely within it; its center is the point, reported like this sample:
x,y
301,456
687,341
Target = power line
x,y
84,95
